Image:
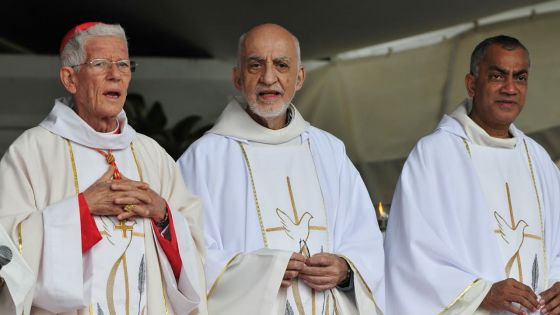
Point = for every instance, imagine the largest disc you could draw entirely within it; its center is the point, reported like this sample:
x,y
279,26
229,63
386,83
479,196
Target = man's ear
x,y
236,78
470,84
68,79
300,77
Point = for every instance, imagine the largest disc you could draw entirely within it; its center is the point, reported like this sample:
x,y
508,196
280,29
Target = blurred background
x,y
380,73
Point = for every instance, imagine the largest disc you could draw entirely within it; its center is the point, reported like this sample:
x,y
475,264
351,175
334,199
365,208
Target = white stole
x,y
293,213
115,265
507,183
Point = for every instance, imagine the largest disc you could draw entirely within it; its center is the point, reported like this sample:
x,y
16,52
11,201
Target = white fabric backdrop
x,y
380,106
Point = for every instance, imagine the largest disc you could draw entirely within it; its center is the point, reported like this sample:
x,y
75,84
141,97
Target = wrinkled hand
x,y
147,203
108,197
324,271
295,265
503,293
550,300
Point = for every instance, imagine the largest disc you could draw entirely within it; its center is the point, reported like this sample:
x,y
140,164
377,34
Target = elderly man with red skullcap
x,y
99,212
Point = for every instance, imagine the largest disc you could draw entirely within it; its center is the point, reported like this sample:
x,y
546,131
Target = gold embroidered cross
x,y
124,228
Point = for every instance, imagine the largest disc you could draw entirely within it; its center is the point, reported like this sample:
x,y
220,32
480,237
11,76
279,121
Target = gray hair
x,y
506,42
74,52
241,44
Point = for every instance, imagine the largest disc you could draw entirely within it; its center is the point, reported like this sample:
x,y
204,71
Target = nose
x,y
509,86
269,75
113,72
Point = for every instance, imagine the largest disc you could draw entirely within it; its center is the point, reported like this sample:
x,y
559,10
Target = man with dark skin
x,y
508,262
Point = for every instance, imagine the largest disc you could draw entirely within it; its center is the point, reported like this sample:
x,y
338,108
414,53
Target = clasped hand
x,y
321,271
109,197
503,293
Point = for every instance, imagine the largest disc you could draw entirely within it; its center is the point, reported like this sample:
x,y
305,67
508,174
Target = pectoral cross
x,y
124,228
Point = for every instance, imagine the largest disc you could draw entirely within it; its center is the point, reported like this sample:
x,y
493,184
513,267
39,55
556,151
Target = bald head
x,y
268,30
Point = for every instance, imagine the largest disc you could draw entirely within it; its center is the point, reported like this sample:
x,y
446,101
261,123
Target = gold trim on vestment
x,y
467,147
460,296
219,277
164,292
20,239
527,235
140,175
313,301
139,234
124,228
259,214
533,236
74,169
516,256
540,213
281,228
127,289
292,201
111,282
110,286
357,272
297,296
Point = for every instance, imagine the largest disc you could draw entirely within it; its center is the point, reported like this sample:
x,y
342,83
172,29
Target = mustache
x,y
264,88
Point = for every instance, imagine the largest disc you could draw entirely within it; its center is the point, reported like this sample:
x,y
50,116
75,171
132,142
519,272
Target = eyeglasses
x,y
101,65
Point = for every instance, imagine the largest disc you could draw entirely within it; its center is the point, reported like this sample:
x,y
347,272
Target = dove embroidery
x,y
299,230
513,236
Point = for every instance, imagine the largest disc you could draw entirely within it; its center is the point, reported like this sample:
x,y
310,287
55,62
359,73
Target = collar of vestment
x,y
236,123
65,122
479,136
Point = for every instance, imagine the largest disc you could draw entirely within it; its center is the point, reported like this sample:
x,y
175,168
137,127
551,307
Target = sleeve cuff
x,y
90,233
170,247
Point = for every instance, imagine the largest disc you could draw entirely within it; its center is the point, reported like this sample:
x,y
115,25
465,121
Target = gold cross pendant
x,y
124,228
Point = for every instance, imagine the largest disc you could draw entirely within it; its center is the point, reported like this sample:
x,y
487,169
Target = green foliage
x,y
152,123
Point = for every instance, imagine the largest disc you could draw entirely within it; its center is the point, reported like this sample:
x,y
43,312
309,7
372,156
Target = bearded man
x,y
289,225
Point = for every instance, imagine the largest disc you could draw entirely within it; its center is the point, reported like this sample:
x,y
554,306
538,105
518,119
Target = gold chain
x,y
254,194
74,169
137,163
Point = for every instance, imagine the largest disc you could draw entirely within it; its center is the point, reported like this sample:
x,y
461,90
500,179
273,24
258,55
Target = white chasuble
x,y
507,182
292,212
114,268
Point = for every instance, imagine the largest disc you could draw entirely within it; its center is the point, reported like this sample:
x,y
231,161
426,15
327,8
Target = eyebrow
x,y
504,71
275,60
282,59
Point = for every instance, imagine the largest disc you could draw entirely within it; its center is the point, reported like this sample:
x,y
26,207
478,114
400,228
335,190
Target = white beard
x,y
267,113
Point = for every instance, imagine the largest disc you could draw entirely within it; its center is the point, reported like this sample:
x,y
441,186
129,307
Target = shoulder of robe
x,y
209,145
536,146
326,139
33,139
438,141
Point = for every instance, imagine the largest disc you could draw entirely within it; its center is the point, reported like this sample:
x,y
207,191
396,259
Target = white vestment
x,y
445,243
227,167
40,176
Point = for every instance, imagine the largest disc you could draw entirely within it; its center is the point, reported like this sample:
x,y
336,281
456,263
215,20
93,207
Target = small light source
x,y
382,217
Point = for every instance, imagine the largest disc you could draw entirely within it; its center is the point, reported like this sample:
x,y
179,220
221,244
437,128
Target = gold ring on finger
x,y
128,208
